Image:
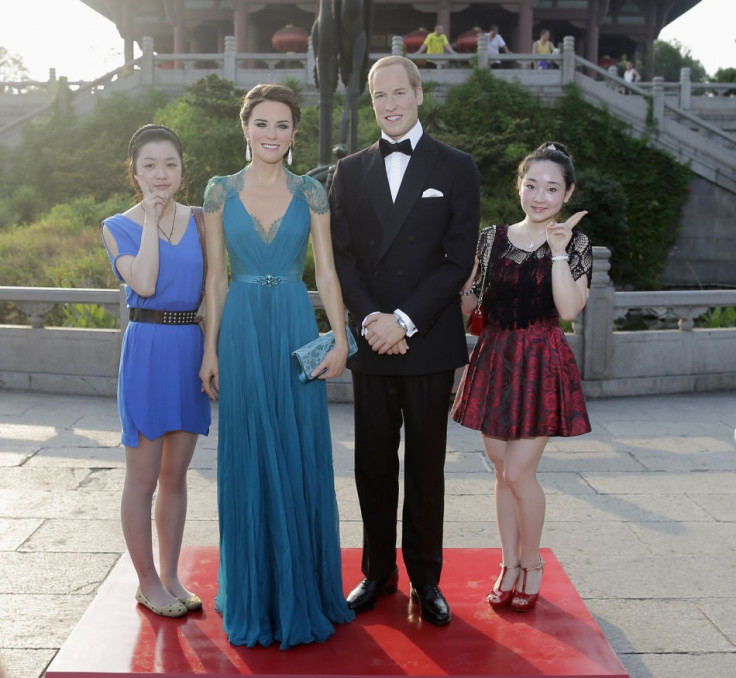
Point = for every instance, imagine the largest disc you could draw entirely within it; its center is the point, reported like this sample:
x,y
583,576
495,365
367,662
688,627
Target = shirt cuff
x,y
411,328
362,325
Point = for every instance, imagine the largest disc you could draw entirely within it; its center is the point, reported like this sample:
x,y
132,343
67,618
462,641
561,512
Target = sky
x,y
82,45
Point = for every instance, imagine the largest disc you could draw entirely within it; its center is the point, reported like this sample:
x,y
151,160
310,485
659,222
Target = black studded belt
x,y
151,315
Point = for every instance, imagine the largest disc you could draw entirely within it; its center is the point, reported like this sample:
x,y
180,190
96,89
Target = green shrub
x,y
89,316
606,222
718,317
24,205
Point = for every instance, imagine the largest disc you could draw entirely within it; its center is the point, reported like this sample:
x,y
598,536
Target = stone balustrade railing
x,y
612,362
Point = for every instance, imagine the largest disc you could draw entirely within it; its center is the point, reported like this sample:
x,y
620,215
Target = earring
x,y
288,157
247,151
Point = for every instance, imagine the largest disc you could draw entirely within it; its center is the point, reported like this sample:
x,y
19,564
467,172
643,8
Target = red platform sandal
x,y
498,597
522,601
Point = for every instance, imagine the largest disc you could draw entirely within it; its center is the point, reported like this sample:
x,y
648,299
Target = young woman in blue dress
x,y
155,250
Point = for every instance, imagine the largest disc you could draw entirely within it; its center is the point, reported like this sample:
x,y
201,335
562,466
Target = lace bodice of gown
x,y
279,250
519,283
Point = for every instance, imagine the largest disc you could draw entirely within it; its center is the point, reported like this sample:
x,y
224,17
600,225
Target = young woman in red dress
x,y
522,384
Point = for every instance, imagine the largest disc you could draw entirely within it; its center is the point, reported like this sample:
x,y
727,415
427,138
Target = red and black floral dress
x,y
522,380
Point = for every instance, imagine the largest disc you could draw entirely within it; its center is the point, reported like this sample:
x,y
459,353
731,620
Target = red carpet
x,y
559,638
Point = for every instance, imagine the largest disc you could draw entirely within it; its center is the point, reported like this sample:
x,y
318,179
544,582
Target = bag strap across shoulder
x,y
198,214
483,252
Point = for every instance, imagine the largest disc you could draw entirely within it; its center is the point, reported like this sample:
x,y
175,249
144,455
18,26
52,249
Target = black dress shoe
x,y
432,603
365,595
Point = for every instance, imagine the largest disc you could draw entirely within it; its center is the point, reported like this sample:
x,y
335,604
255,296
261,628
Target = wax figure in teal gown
x,y
280,572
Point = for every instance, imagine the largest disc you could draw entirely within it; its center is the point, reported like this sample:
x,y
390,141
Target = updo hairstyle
x,y
261,93
555,152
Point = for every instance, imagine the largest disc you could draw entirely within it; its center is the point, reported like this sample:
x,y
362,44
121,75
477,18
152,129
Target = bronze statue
x,y
340,39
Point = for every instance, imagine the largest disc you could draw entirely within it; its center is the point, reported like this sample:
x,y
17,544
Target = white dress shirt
x,y
396,164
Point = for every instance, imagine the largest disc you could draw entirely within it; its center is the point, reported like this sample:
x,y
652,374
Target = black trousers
x,y
382,405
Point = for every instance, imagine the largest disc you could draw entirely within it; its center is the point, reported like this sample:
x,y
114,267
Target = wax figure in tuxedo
x,y
404,229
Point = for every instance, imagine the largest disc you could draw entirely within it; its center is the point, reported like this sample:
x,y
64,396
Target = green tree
x,y
62,156
12,68
207,121
669,58
724,75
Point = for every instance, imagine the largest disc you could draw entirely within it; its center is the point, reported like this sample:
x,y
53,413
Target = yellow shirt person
x,y
436,43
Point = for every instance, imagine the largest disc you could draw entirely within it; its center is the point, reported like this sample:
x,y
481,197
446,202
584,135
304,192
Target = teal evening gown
x,y
280,576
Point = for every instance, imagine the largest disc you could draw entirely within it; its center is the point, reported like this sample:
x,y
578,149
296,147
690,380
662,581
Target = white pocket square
x,y
432,193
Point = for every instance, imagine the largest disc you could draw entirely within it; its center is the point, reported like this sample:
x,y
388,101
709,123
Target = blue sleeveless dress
x,y
280,574
159,389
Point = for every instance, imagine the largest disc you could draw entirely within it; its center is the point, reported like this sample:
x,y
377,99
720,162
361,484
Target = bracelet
x,y
560,257
466,294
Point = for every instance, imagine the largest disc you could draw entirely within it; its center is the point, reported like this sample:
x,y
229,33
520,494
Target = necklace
x,y
171,232
531,240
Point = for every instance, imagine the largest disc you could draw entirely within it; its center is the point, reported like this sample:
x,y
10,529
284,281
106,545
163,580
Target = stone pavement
x,y
641,514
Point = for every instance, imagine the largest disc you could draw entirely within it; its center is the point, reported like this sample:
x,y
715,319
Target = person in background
x,y
405,215
435,43
522,383
280,574
496,44
631,74
156,250
543,46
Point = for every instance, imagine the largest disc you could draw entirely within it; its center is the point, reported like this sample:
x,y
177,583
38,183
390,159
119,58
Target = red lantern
x,y
467,42
290,39
414,40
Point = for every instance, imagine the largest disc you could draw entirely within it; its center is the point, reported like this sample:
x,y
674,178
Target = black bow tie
x,y
387,147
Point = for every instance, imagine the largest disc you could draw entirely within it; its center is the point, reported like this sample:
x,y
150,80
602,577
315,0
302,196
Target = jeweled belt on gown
x,y
267,280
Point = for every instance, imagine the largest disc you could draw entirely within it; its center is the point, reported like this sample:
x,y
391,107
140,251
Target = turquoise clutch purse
x,y
312,354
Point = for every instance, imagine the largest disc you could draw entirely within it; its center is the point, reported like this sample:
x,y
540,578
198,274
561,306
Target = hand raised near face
x,y
153,201
559,235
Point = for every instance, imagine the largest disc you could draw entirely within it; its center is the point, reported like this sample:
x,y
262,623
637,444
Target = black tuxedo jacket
x,y
413,254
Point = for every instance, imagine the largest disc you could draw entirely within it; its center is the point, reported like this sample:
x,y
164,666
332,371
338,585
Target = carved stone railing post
x,y
612,70
397,45
311,63
228,65
598,319
483,51
658,99
568,60
686,87
147,61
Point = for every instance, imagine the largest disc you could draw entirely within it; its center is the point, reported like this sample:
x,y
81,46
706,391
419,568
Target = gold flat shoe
x,y
177,609
192,603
